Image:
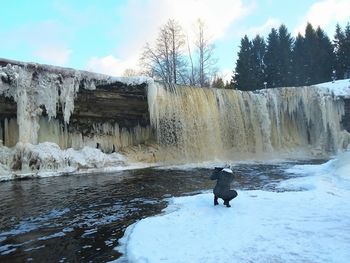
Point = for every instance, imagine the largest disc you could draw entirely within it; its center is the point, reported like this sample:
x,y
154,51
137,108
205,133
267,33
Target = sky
x,y
108,36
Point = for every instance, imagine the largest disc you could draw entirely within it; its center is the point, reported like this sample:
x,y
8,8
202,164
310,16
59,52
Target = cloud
x,y
53,55
110,65
326,14
264,28
218,15
140,22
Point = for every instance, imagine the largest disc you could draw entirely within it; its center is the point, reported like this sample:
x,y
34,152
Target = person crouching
x,y
224,178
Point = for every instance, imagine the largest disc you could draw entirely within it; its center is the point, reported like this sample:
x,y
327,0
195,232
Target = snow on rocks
x,y
338,87
47,159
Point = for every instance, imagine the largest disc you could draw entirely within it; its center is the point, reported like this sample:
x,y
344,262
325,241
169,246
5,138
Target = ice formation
x,y
206,124
50,88
36,88
191,124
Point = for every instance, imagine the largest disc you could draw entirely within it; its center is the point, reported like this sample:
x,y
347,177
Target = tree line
x,y
279,61
284,61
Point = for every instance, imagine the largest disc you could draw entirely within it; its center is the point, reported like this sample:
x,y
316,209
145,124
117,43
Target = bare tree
x,y
206,60
165,61
192,73
129,72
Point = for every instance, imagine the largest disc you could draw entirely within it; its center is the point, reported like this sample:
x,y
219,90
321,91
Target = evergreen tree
x,y
338,50
325,61
313,58
258,66
298,73
271,59
310,55
218,83
243,76
283,61
285,57
228,85
347,51
342,51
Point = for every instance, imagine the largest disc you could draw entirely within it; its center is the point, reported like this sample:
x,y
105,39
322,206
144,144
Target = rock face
x,y
115,102
73,108
8,107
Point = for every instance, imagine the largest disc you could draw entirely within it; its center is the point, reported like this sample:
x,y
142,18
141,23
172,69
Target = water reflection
x,y
80,218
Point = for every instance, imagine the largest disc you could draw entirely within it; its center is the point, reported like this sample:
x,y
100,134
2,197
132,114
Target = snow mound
x,y
338,87
47,159
289,226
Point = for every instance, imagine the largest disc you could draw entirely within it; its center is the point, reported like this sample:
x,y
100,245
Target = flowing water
x,y
80,218
202,124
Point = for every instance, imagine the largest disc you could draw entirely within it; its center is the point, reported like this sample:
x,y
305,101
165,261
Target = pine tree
x,y
313,58
338,50
325,60
285,57
243,76
271,59
342,51
258,66
218,83
310,54
347,51
298,73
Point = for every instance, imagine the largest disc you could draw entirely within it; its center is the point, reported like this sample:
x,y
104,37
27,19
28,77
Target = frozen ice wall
x,y
40,91
33,91
46,135
208,124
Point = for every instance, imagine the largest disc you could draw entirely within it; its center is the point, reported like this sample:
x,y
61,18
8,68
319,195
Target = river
x,y
79,218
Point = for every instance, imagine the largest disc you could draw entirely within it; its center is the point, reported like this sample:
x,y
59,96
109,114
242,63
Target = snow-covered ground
x,y
338,87
308,220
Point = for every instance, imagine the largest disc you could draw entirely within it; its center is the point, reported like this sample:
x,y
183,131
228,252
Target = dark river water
x,y
79,218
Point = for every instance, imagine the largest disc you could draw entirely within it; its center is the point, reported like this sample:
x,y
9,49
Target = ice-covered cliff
x,y
70,108
47,113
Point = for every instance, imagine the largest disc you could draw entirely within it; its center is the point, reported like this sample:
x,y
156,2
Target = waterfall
x,y
200,124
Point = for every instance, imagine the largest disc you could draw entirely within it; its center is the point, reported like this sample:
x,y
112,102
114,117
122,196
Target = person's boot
x,y
216,200
227,203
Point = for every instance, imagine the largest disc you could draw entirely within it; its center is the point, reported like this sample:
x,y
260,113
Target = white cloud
x,y
110,65
264,28
140,23
53,55
326,14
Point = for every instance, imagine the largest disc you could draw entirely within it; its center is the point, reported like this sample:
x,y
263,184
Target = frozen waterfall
x,y
202,124
45,107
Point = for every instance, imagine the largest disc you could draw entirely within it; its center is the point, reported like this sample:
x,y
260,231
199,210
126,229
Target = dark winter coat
x,y
224,179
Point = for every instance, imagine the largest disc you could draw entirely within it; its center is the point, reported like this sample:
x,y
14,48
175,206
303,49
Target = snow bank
x,y
288,226
338,87
47,159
